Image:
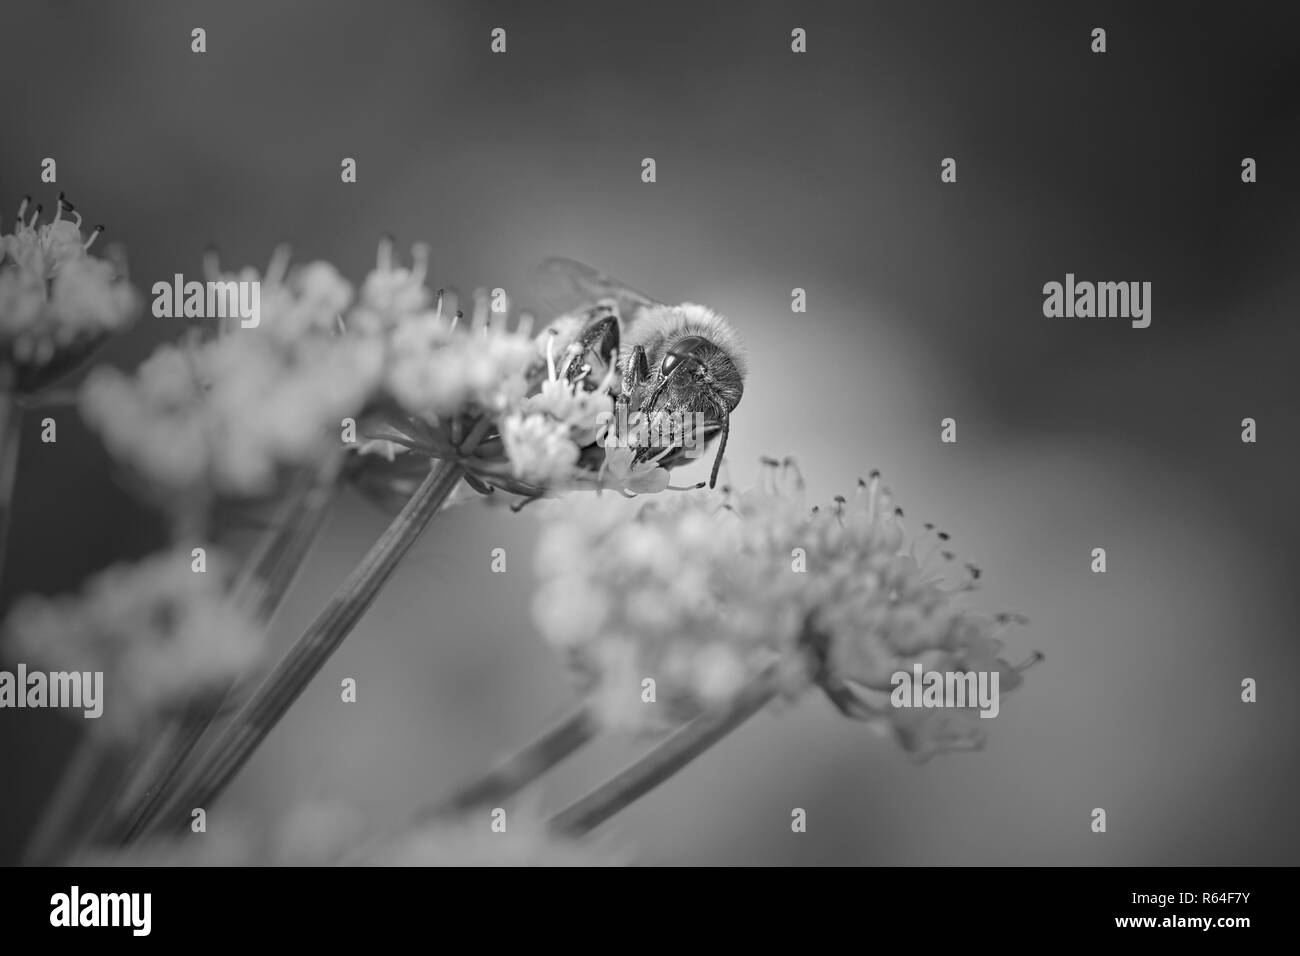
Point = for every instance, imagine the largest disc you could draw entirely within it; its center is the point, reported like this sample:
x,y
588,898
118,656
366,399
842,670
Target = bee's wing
x,y
567,285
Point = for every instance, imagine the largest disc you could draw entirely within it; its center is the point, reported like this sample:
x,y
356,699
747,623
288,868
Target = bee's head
x,y
689,400
695,373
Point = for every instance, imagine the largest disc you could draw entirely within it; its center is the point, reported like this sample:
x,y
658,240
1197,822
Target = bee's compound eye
x,y
686,348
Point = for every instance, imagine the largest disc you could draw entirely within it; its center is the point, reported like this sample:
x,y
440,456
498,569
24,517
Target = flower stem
x,y
11,427
157,772
278,559
323,636
261,587
93,763
663,761
520,768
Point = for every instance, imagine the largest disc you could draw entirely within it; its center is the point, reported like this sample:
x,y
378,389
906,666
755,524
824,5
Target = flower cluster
x,y
161,634
485,395
706,591
57,301
226,415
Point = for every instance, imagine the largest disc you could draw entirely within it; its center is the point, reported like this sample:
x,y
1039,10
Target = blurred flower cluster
x,y
57,301
163,636
227,414
706,591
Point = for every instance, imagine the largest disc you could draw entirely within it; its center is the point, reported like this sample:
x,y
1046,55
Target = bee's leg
x,y
596,343
722,447
524,502
479,486
636,372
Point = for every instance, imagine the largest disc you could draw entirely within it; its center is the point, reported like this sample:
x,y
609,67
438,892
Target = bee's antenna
x,y
722,447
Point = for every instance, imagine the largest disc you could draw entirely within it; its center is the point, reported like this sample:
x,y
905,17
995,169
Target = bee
x,y
673,366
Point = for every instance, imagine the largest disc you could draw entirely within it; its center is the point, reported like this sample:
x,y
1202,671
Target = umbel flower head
x,y
57,301
225,416
485,395
162,634
707,591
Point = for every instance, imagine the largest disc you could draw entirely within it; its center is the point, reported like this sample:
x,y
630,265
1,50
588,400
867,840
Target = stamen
x,y
22,209
36,215
278,268
479,322
1035,658
420,261
438,313
923,565
791,467
873,496
93,236
211,263
608,380
550,358
384,260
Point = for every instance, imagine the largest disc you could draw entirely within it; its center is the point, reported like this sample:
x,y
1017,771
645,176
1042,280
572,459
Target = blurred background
x,y
775,171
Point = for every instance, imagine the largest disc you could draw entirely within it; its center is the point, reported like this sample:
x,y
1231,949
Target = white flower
x,y
586,412
56,300
706,590
623,473
441,371
230,413
392,293
540,449
297,304
162,635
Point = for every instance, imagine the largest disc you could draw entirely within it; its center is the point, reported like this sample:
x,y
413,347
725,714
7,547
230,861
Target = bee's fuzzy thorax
x,y
670,325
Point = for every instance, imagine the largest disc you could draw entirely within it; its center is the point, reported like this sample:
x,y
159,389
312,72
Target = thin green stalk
x,y
294,672
663,761
520,768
